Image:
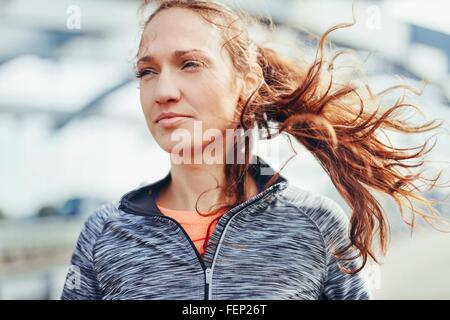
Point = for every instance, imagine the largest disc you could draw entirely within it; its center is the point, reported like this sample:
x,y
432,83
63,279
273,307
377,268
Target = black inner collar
x,y
143,200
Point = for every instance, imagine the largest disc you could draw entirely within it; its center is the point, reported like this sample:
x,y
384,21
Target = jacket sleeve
x,y
339,285
81,279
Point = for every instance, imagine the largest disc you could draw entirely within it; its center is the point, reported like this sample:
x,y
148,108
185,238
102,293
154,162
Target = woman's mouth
x,y
172,121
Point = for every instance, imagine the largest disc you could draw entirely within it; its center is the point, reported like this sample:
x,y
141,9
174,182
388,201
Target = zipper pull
x,y
208,275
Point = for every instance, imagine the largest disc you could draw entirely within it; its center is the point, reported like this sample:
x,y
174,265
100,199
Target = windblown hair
x,y
337,121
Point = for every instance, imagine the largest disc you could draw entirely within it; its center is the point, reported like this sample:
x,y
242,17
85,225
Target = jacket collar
x,y
142,201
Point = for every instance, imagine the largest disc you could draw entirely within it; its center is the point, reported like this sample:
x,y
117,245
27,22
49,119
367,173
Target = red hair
x,y
337,121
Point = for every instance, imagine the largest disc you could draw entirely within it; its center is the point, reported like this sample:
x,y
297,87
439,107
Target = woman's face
x,y
175,79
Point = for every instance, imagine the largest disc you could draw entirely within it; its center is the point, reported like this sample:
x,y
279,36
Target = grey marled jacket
x,y
276,245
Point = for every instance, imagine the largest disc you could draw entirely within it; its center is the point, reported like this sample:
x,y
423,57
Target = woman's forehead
x,y
178,29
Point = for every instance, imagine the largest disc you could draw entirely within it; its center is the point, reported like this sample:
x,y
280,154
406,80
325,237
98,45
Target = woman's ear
x,y
252,81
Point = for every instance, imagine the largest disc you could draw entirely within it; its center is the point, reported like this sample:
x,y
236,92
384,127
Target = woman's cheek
x,y
146,109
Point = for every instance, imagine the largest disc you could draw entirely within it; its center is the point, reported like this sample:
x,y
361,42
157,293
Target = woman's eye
x,y
192,63
141,73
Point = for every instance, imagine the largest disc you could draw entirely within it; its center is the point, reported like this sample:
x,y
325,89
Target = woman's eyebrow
x,y
175,54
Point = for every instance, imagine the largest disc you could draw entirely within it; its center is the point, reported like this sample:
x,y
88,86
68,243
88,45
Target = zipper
x,y
208,271
208,278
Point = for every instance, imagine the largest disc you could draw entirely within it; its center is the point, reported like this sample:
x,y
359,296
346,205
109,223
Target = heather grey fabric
x,y
276,245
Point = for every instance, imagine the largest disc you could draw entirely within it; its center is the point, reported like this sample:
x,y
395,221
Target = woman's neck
x,y
190,181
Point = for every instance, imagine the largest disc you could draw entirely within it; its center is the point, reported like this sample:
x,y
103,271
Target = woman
x,y
215,228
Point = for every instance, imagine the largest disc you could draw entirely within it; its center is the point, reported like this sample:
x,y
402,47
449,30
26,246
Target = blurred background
x,y
72,135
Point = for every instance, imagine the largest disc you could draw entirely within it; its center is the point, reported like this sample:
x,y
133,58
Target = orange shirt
x,y
195,225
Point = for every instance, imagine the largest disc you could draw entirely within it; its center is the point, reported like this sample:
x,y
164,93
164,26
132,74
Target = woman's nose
x,y
166,89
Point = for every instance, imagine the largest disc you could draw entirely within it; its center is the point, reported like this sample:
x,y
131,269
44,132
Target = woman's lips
x,y
172,121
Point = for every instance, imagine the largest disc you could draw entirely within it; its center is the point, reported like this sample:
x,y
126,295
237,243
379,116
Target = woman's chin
x,y
182,153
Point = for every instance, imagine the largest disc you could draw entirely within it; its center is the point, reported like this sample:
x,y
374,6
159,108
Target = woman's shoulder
x,y
95,221
322,211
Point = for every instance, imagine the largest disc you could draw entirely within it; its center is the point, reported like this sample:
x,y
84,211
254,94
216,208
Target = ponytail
x,y
333,122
